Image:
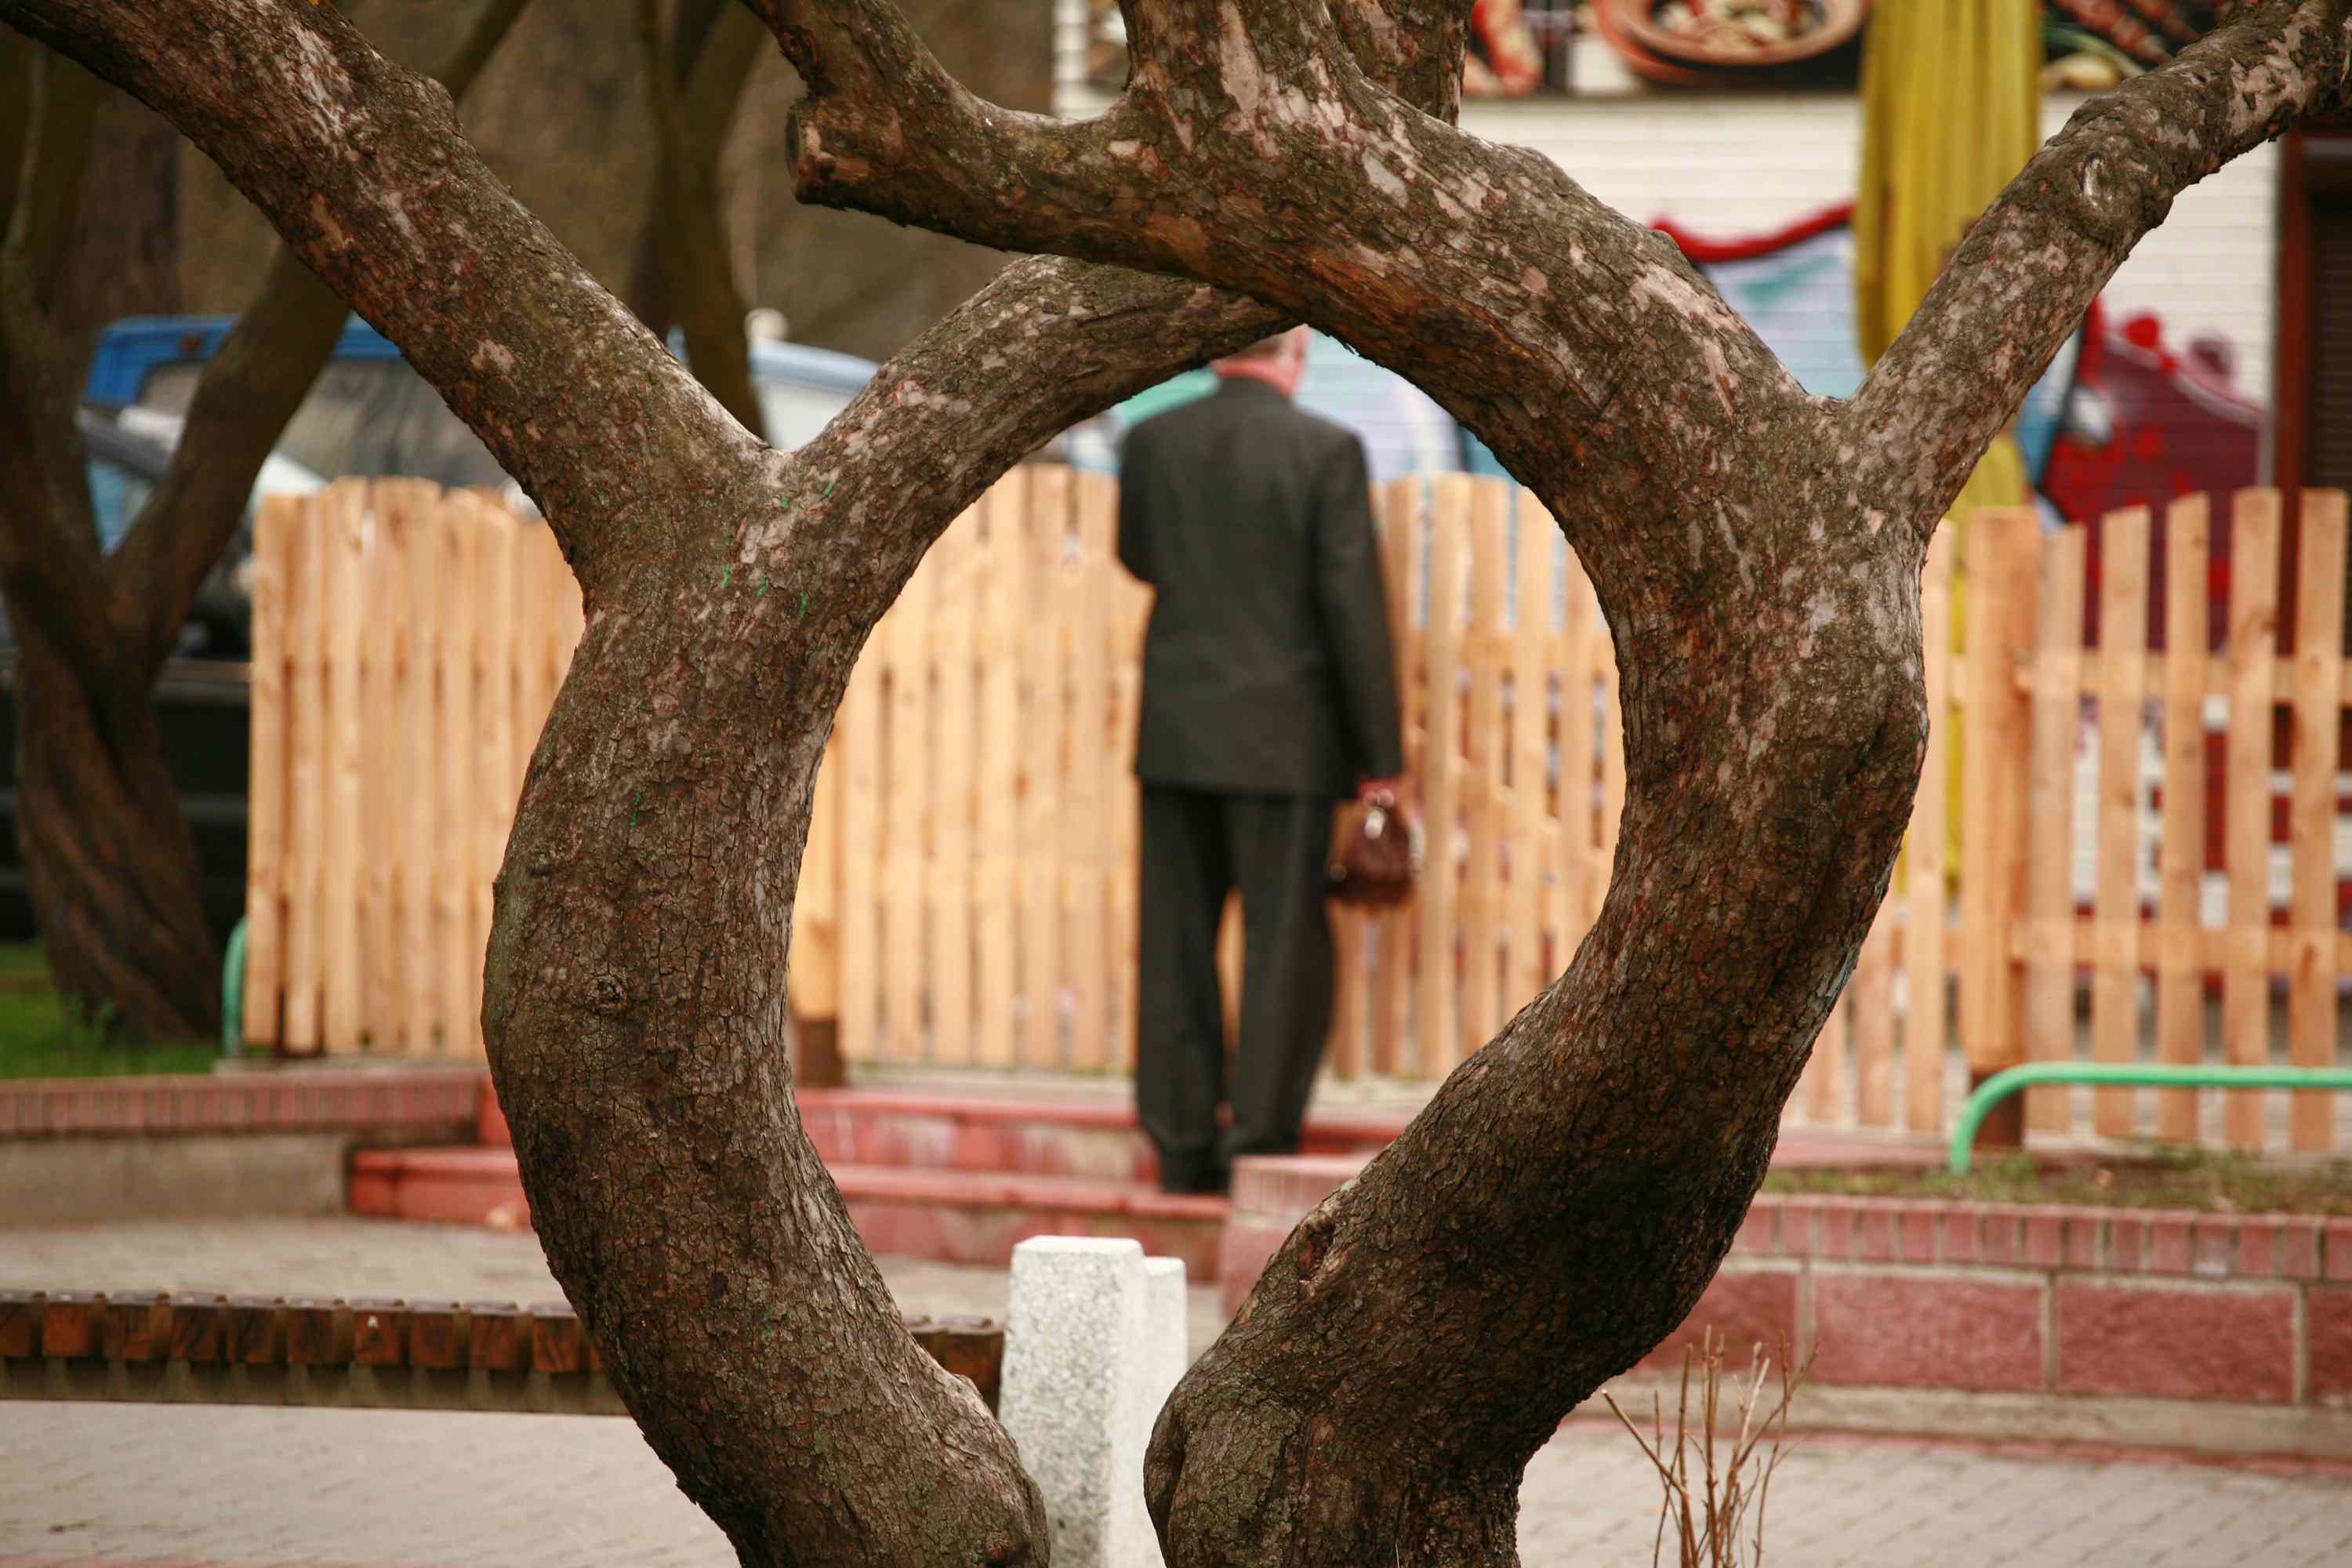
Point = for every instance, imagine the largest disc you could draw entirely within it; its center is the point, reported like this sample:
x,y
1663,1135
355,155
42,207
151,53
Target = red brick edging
x,y
292,1100
2244,1309
143,1327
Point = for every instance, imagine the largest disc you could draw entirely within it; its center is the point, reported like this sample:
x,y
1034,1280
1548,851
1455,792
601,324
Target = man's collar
x,y
1252,385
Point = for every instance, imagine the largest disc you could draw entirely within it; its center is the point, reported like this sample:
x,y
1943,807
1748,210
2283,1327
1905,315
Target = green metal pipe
x,y
233,993
2008,1081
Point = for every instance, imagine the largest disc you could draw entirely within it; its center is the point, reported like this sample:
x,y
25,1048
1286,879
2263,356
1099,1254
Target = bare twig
x,y
1736,1491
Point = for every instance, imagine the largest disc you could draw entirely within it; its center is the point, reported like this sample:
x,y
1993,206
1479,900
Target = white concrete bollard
x,y
1163,1305
1093,1339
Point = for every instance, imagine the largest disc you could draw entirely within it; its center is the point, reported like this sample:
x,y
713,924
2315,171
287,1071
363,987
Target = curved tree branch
x,y
250,389
1258,156
2031,266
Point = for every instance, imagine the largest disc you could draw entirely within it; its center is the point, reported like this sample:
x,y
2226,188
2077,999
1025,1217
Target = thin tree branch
x,y
69,101
250,389
2031,264
18,94
50,572
474,51
689,230
1259,157
595,419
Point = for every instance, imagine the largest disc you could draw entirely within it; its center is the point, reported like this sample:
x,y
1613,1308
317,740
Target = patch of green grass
x,y
2161,1177
41,1036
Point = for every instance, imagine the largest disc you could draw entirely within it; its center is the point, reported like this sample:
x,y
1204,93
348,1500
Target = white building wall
x,y
1730,166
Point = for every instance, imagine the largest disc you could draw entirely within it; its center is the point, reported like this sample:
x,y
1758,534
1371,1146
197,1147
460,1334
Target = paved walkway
x,y
252,1486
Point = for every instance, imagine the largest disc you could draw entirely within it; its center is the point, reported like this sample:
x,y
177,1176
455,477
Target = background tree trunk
x,y
110,867
109,860
125,247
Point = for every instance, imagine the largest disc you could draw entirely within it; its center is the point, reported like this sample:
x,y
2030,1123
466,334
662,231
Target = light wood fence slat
x,y
2246,797
1486,746
2180,858
266,863
2003,600
404,514
380,827
954,560
1344,1045
2122,644
342,982
905,634
1439,897
1001,597
455,957
1923,1034
1830,1091
1085,606
1871,994
1397,507
305,717
1532,824
1042,737
1577,902
2050,833
2311,834
859,728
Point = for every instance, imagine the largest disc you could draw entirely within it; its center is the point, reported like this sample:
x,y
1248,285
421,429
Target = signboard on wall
x,y
1602,49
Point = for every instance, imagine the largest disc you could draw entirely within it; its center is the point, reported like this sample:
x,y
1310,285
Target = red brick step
x,y
928,1129
958,1215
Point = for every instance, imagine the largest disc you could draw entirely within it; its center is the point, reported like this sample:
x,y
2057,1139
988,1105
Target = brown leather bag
x,y
1375,852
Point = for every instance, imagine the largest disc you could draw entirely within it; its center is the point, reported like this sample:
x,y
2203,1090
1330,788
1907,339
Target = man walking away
x,y
1268,695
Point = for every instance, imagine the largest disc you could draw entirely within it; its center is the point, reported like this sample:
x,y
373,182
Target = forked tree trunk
x,y
1563,1200
109,860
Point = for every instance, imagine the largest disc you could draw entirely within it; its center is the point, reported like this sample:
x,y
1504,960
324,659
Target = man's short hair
x,y
1265,348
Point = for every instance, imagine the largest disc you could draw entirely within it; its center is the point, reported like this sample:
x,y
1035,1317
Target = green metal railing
x,y
2008,1081
233,993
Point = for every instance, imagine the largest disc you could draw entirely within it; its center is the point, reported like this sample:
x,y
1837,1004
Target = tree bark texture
x,y
1564,1201
110,863
1566,1194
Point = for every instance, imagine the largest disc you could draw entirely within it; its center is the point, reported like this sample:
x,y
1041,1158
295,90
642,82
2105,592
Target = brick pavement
x,y
145,1483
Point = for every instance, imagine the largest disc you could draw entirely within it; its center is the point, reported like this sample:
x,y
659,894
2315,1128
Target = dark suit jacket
x,y
1267,668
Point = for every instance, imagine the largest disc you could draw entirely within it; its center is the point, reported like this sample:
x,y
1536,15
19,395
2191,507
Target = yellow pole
x,y
1950,112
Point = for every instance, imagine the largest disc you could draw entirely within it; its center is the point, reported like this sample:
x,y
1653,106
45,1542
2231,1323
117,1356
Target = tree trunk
x,y
1563,1200
124,249
109,860
1534,1255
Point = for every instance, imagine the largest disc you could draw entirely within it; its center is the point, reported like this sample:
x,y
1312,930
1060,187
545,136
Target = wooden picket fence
x,y
407,643
969,897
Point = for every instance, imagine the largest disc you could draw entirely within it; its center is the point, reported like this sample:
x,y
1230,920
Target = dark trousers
x,y
1197,847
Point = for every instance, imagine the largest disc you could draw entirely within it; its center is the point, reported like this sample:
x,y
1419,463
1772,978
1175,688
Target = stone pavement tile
x,y
2257,1520
261,1486
255,1486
